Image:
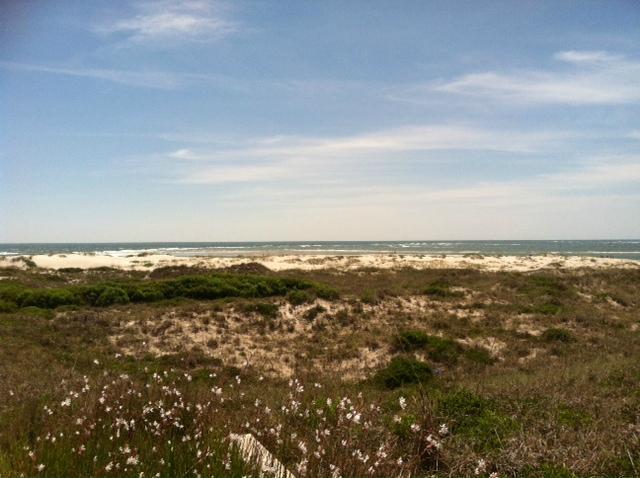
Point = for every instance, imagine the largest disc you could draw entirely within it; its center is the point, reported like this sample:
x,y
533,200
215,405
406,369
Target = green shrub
x,y
299,297
313,312
212,286
479,355
265,309
557,335
410,340
442,350
325,292
111,296
145,294
6,306
439,349
47,298
403,370
441,290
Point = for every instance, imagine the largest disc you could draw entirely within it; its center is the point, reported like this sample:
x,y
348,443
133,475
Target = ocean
x,y
622,249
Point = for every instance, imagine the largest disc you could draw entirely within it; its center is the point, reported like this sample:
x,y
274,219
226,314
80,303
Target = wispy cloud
x,y
402,139
586,57
171,20
148,79
596,177
592,78
173,80
294,157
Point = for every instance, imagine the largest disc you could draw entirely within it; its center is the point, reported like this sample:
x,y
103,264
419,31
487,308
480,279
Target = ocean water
x,y
622,249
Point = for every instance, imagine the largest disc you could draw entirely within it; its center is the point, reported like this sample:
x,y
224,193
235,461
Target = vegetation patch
x,y
311,314
479,355
213,286
548,308
265,309
572,416
369,297
527,416
555,334
299,297
476,419
439,349
403,370
441,290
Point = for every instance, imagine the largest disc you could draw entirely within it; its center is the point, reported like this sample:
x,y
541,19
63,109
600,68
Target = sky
x,y
195,120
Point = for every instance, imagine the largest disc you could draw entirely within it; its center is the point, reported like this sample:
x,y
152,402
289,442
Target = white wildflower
x,y
481,467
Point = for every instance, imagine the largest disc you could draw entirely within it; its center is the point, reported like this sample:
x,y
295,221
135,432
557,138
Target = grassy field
x,y
366,373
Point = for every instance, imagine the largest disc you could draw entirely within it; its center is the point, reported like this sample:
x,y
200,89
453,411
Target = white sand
x,y
312,262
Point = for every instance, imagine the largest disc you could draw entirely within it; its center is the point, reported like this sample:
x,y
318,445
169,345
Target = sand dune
x,y
312,262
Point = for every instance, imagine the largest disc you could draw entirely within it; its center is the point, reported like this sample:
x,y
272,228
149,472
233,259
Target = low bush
x,y
111,296
441,290
212,286
403,370
299,297
47,298
479,355
265,309
313,312
325,292
410,340
554,334
439,349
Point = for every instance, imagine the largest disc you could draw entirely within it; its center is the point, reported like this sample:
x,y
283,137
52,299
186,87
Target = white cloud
x,y
573,56
184,153
238,174
379,143
599,177
173,20
163,80
595,78
325,159
168,80
148,79
303,158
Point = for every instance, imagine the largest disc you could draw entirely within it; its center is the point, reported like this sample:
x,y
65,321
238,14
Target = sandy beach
x,y
315,262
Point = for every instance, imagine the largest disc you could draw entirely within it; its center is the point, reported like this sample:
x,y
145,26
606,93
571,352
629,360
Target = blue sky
x,y
268,120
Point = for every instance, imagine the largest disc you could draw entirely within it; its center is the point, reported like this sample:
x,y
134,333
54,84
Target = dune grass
x,y
559,398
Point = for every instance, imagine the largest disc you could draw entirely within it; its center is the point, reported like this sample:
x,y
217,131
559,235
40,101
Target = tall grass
x,y
170,424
